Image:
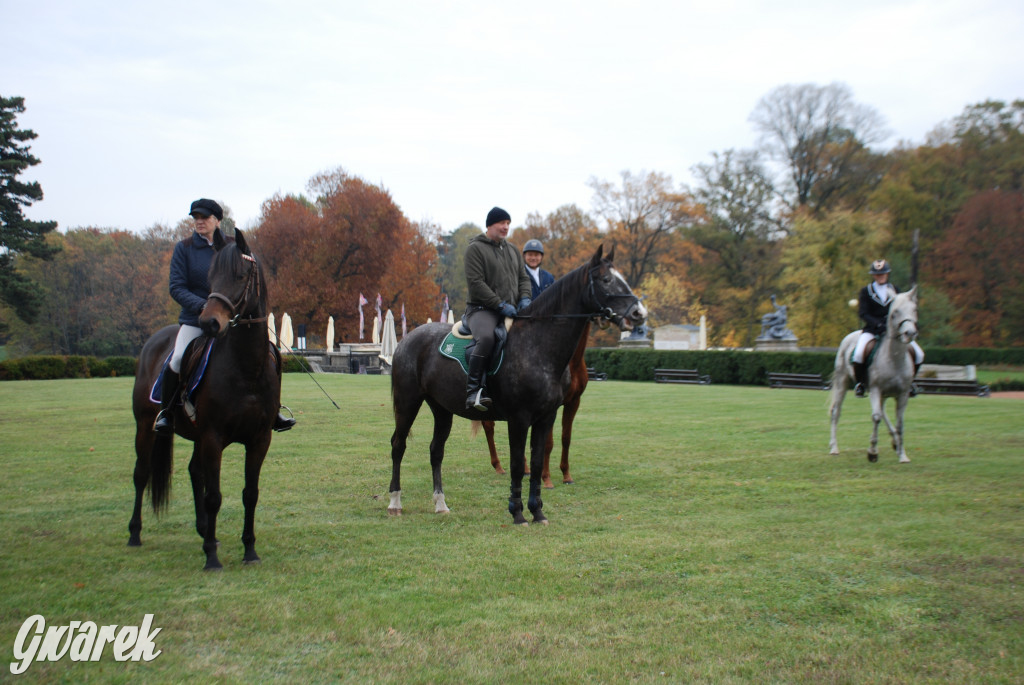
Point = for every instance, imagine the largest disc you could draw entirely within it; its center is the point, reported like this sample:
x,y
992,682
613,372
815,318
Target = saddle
x,y
458,345
193,367
869,352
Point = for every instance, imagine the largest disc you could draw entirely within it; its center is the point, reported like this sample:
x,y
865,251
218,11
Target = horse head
x,y
235,287
610,294
903,316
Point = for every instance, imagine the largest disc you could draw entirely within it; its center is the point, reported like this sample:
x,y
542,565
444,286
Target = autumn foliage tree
x,y
978,264
320,255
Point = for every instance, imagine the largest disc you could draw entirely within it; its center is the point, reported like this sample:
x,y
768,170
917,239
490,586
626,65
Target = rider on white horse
x,y
875,299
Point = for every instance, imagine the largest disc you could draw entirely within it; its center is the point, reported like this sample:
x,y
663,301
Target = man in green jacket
x,y
496,276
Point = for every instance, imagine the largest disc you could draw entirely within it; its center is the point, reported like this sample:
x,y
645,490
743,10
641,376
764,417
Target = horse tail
x,y
162,460
474,428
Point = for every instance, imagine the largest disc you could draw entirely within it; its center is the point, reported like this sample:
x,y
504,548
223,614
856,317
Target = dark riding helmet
x,y
879,266
533,245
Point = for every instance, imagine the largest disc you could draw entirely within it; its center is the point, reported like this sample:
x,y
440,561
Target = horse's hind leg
x,y
405,415
488,427
254,456
143,469
197,478
442,429
568,416
839,387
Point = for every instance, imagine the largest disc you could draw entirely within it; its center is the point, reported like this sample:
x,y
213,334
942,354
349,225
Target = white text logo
x,y
81,641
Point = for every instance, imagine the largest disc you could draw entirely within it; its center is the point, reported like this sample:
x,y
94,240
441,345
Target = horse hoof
x,y
904,460
394,512
568,482
213,566
500,471
134,542
249,562
549,485
872,457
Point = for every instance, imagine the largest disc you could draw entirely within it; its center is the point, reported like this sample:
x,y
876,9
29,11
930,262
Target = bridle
x,y
603,311
252,284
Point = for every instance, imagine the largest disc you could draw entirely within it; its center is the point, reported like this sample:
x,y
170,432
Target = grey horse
x,y
890,375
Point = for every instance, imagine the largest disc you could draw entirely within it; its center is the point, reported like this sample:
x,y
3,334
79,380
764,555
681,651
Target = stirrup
x,y
858,390
478,401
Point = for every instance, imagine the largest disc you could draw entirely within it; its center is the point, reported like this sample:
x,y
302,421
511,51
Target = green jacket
x,y
495,273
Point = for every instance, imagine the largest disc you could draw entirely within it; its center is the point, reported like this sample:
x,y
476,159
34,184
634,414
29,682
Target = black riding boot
x,y
860,372
283,423
164,424
475,397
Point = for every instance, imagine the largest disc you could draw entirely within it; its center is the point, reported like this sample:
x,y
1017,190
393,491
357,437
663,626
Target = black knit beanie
x,y
497,214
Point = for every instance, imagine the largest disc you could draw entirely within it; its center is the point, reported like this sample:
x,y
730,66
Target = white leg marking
x,y
395,506
439,506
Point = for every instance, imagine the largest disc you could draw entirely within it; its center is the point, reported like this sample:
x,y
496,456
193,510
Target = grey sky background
x,y
454,106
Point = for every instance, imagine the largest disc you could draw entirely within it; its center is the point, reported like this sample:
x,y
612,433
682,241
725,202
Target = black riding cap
x,y
879,266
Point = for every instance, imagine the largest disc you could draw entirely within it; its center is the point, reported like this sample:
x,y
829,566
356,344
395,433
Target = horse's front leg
x,y
898,444
208,454
877,413
540,442
516,465
255,453
405,414
442,429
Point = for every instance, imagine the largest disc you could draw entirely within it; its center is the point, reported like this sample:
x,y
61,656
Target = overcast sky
x,y
142,107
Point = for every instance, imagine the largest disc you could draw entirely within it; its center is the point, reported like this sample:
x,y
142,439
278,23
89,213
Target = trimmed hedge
x,y
962,356
50,367
732,367
739,367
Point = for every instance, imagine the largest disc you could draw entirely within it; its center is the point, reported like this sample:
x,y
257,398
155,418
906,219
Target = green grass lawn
x,y
709,538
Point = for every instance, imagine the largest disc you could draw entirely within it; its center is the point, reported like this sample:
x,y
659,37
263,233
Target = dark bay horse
x,y
526,391
237,400
574,382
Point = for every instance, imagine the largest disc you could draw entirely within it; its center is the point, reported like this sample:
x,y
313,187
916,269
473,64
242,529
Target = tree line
x,y
800,216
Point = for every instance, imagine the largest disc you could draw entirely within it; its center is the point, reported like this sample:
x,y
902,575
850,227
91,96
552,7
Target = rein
x,y
251,283
604,311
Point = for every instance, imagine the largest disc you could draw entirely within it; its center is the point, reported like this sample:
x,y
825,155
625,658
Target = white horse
x,y
890,375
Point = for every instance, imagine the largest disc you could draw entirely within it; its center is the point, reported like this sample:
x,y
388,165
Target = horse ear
x,y
913,293
611,254
596,259
240,242
218,240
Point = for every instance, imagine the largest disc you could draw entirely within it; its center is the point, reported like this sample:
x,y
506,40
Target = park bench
x,y
936,386
594,375
802,381
680,376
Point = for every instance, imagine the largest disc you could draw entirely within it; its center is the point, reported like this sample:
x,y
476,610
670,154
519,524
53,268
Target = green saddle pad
x,y
455,348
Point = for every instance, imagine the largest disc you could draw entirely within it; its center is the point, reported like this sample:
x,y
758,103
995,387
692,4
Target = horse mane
x,y
556,297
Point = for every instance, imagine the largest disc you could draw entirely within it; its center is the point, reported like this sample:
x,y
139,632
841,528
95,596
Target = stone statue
x,y
773,325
